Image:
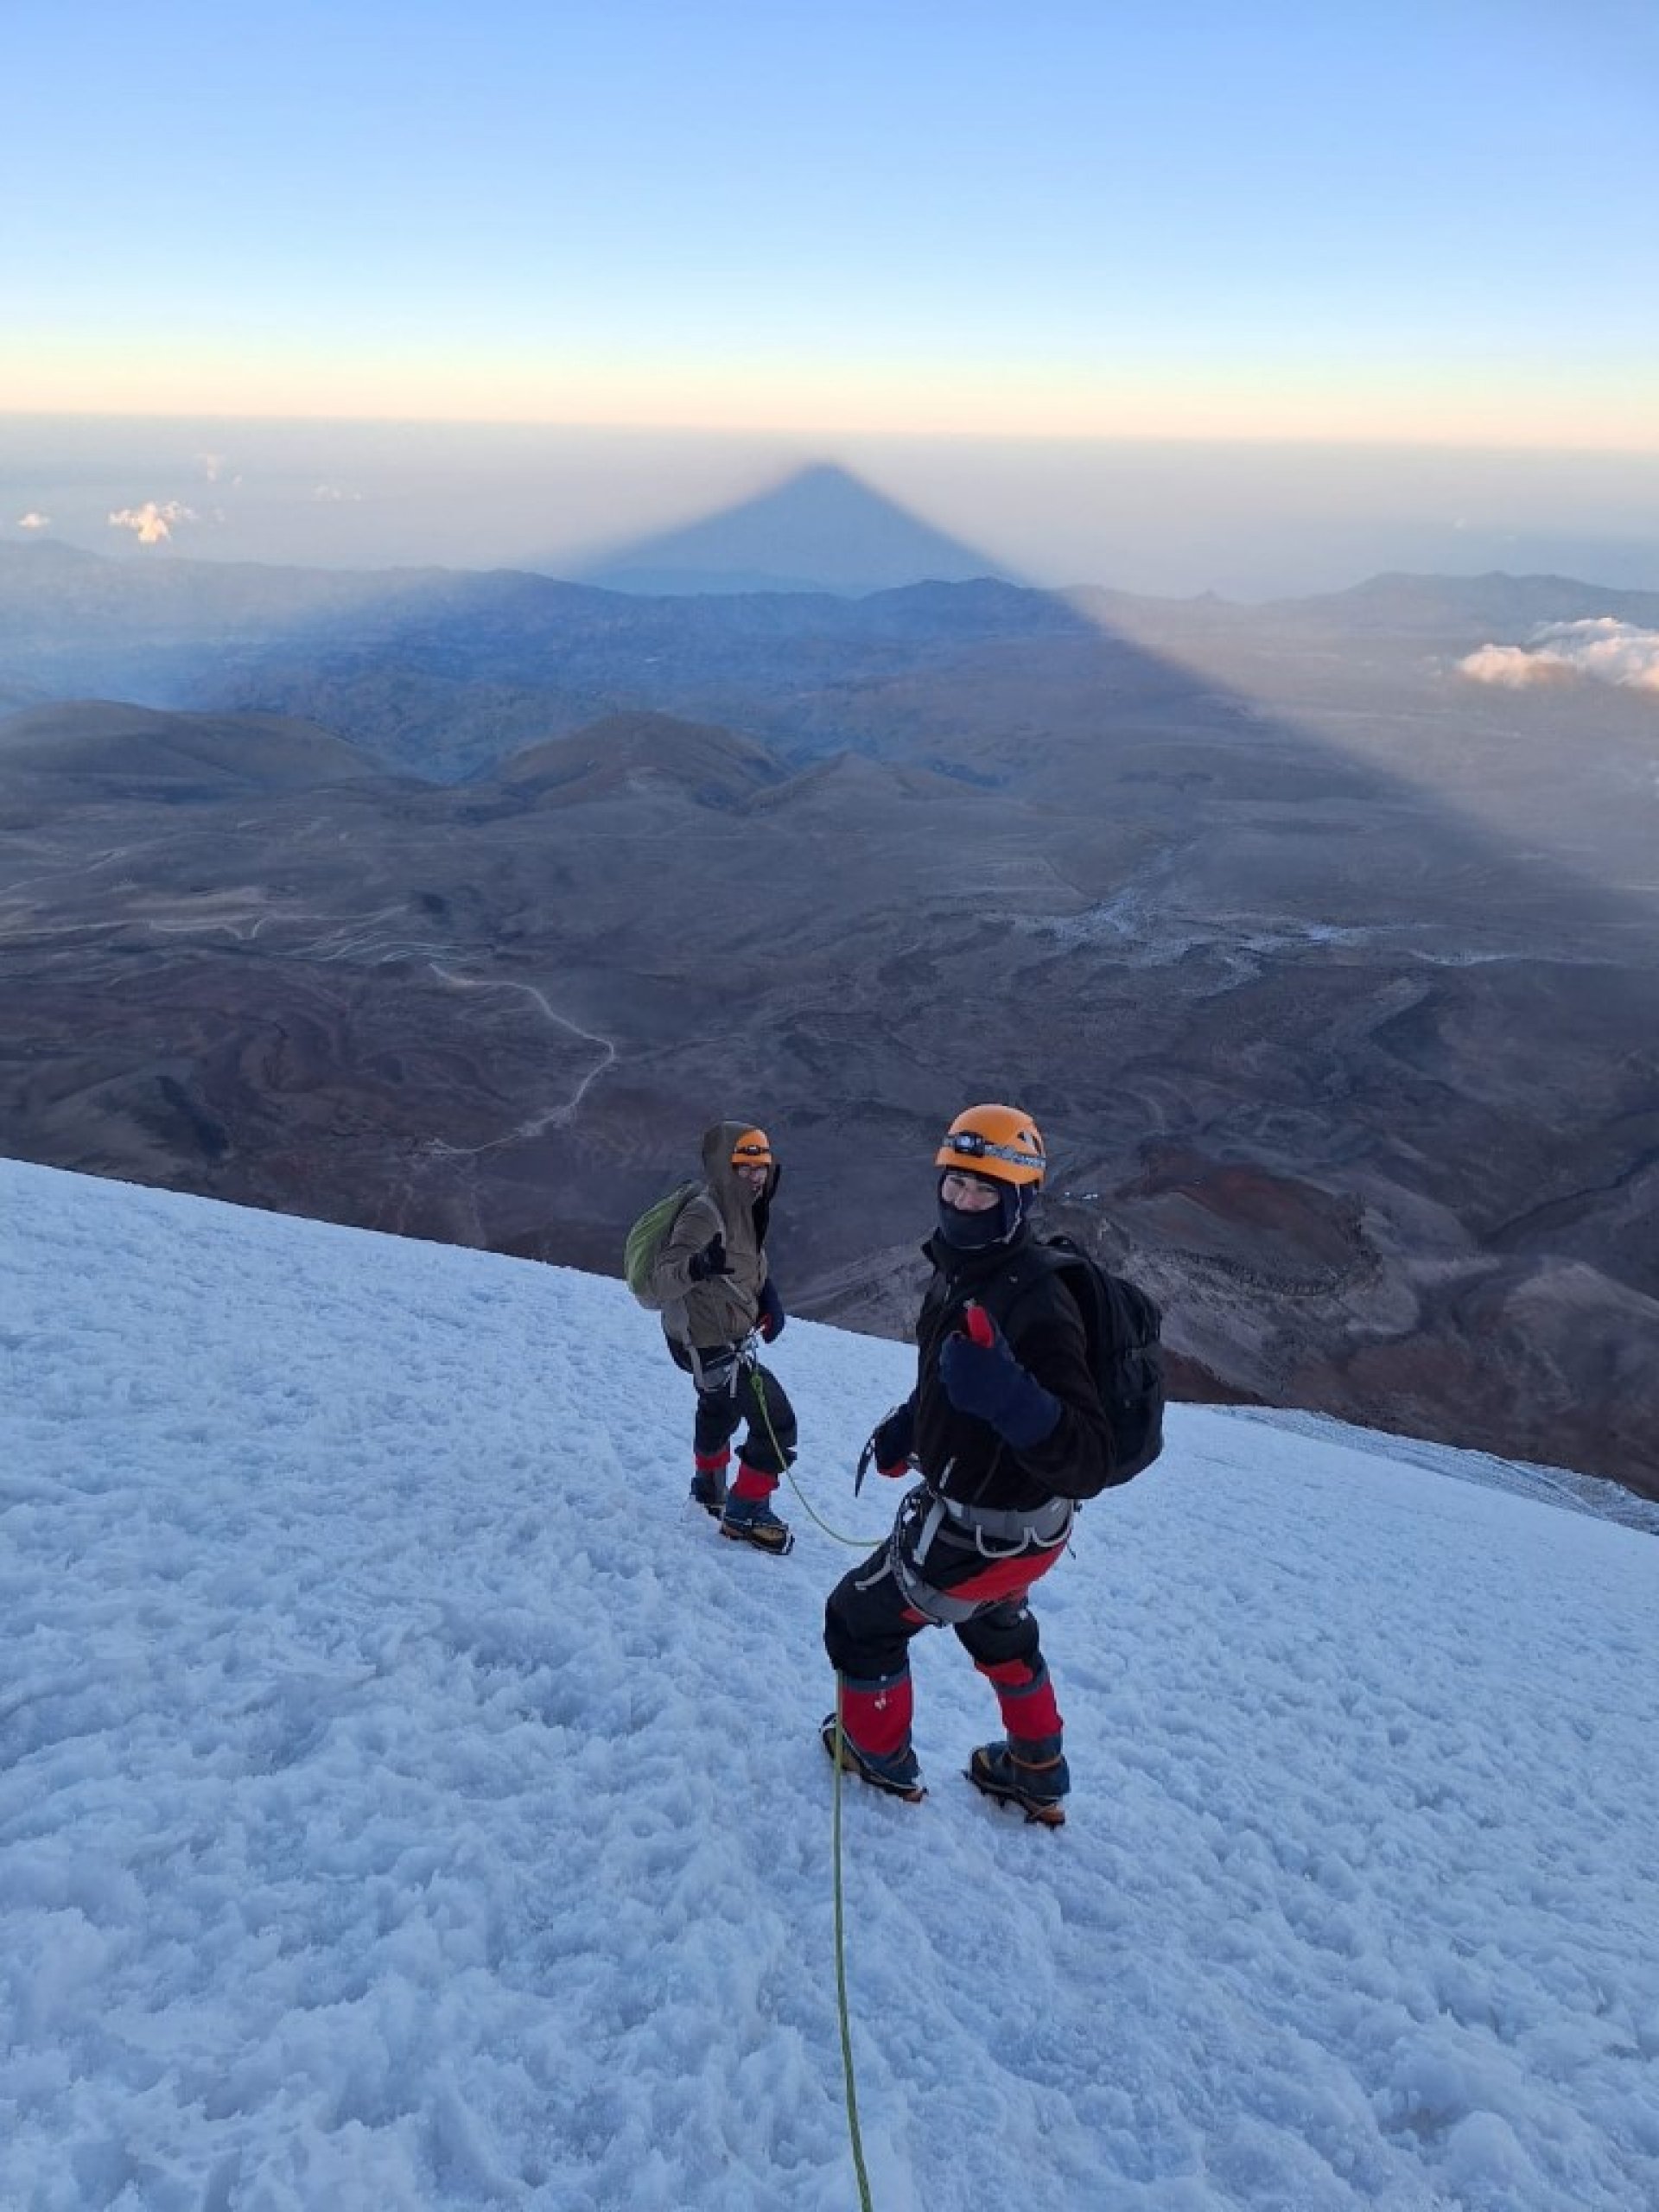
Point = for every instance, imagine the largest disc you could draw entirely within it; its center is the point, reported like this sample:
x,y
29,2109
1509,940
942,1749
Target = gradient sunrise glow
x,y
1417,224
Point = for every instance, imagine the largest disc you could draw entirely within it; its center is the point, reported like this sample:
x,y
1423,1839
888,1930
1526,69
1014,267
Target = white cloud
x,y
335,494
33,521
150,524
1514,667
1602,648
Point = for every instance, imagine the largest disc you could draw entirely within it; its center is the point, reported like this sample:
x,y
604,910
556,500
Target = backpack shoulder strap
x,y
1117,1314
1006,1292
686,1198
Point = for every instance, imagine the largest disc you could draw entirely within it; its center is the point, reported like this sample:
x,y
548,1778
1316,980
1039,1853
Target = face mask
x,y
975,1232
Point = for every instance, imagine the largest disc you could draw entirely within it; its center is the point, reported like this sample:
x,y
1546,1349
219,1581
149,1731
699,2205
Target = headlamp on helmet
x,y
998,1142
753,1149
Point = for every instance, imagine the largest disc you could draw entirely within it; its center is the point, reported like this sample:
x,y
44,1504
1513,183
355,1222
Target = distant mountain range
x,y
443,671
1502,609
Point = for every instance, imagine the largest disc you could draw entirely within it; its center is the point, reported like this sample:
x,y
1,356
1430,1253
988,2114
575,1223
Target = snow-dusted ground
x,y
406,1802
1606,1501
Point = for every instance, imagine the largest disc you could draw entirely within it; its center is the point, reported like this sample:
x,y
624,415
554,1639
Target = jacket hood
x,y
718,1170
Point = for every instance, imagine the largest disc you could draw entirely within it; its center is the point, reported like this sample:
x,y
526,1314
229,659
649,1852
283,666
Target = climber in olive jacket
x,y
716,1296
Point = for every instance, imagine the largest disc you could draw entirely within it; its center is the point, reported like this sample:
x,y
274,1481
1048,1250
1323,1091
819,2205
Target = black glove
x,y
771,1324
711,1261
893,1440
987,1380
889,1445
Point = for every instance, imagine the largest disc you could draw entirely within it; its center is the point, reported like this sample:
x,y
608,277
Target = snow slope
x,y
405,1800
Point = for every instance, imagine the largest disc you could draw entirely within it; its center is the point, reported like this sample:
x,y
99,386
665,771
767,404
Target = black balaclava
x,y
977,1232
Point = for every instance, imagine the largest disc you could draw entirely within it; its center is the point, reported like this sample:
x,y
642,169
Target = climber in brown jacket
x,y
716,1296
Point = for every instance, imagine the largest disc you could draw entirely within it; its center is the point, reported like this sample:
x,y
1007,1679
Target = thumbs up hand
x,y
982,1378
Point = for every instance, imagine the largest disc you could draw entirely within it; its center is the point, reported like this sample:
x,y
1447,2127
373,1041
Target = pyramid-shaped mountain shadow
x,y
821,530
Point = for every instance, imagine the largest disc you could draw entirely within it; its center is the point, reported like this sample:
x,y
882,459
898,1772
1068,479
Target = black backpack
x,y
1123,1325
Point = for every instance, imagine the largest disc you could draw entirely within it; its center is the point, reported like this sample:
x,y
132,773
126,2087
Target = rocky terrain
x,y
1331,974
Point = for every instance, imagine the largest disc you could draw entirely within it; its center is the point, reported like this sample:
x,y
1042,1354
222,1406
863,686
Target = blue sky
x,y
1428,223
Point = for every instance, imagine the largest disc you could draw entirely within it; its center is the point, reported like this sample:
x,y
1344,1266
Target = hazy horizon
x,y
1246,518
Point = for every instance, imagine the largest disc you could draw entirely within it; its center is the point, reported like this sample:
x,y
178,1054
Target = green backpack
x,y
645,1240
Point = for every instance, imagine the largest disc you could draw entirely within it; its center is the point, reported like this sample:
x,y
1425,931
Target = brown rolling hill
x,y
193,757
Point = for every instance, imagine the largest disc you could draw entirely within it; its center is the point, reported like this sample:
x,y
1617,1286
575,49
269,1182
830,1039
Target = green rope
x,y
840,1978
861,1544
852,1543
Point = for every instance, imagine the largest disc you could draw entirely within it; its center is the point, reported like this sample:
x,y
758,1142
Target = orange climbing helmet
x,y
1000,1143
753,1149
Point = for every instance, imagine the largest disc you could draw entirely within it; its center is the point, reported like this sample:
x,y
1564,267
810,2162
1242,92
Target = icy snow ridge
x,y
406,1802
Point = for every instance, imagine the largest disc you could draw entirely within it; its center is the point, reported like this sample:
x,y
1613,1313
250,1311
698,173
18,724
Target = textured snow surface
x,y
407,1801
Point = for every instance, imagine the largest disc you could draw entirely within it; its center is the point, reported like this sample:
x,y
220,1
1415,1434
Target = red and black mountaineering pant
x,y
732,1387
938,1571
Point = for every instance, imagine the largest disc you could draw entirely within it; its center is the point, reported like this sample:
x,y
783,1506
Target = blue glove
x,y
771,1323
988,1382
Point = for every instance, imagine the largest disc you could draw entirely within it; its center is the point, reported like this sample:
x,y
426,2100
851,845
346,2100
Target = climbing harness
x,y
925,1513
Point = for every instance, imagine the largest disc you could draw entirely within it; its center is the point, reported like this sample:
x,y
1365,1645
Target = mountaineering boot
x,y
749,1518
900,1773
751,1521
709,1483
1031,1774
